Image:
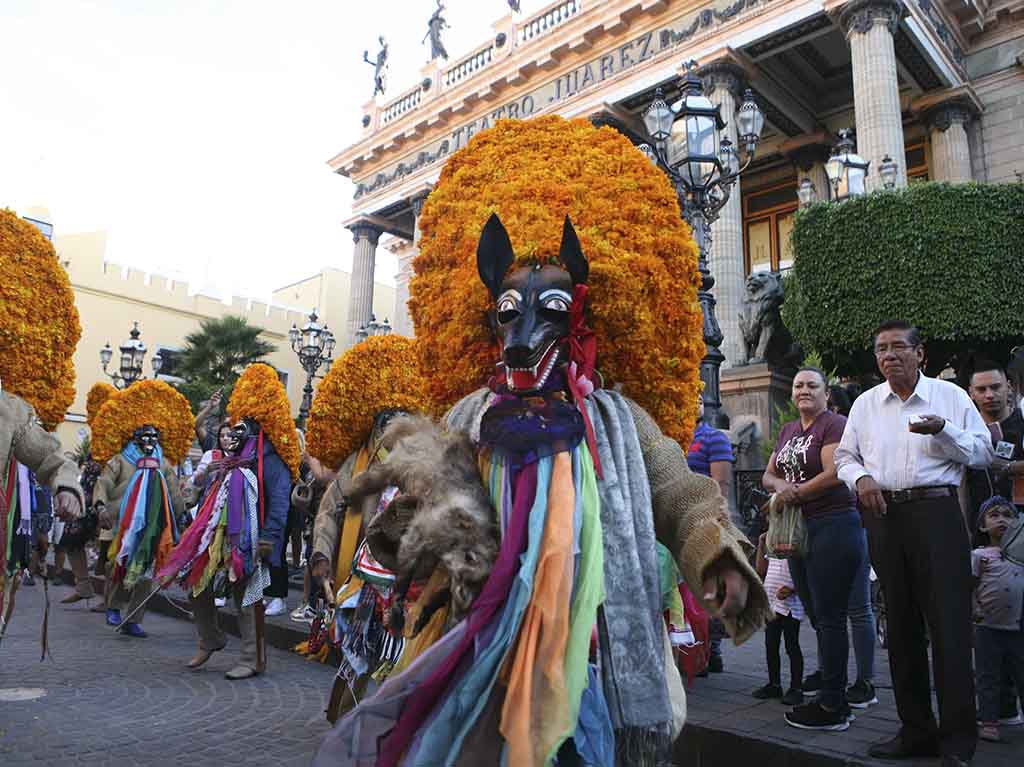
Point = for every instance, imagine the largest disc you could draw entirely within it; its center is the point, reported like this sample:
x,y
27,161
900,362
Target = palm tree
x,y
216,354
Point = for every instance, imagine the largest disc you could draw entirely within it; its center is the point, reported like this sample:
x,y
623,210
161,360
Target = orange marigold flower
x,y
98,395
39,325
380,373
643,261
152,403
260,395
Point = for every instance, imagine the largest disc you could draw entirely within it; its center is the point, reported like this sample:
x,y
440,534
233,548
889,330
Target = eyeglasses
x,y
898,347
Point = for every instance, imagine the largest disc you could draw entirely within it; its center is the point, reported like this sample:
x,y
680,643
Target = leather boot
x,y
201,657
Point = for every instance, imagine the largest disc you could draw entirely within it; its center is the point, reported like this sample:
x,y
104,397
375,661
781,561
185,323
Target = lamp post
x,y
133,354
373,328
846,169
687,145
314,345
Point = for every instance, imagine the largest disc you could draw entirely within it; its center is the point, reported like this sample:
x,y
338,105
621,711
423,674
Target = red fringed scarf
x,y
582,359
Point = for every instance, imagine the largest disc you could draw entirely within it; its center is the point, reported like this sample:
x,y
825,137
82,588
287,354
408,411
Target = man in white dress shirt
x,y
904,451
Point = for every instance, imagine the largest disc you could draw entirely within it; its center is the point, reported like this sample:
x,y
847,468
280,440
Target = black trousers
x,y
921,553
784,626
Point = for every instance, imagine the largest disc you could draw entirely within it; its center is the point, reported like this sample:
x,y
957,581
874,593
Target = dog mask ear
x,y
494,254
571,255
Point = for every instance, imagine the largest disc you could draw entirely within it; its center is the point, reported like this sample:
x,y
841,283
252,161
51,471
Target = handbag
x,y
787,531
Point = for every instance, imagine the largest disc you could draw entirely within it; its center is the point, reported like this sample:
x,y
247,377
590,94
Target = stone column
x,y
723,84
403,322
360,296
869,26
951,154
808,155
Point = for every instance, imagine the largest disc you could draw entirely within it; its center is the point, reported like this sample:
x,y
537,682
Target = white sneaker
x,y
276,606
1012,721
220,601
304,614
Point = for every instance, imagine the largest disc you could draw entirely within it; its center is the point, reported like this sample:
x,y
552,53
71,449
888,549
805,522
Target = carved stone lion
x,y
761,320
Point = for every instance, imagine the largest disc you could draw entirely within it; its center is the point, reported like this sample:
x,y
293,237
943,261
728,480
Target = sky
x,y
197,132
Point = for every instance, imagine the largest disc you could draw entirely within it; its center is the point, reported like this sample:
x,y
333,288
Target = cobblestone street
x,y
111,700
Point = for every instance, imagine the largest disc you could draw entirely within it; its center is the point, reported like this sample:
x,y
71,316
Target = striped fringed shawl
x,y
223,537
530,627
147,530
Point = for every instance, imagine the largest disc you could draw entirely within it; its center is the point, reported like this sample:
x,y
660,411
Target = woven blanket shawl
x,y
146,526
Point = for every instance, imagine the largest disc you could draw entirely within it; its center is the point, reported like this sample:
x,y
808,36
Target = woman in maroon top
x,y
802,471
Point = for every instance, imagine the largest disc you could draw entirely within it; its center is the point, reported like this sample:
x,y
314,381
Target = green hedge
x,y
948,258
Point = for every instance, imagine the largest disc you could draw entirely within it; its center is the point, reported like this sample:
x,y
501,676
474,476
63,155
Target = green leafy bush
x,y
948,258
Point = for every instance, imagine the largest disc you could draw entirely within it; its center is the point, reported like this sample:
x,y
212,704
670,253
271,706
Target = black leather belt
x,y
918,494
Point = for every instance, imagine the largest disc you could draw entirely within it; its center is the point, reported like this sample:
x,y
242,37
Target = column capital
x,y
367,231
859,16
942,117
416,203
723,74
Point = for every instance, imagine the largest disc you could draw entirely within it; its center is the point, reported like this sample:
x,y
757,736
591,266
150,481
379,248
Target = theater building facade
x,y
937,85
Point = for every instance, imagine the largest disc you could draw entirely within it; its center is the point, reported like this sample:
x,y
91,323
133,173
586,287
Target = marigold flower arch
x,y
643,261
154,403
39,327
377,374
260,395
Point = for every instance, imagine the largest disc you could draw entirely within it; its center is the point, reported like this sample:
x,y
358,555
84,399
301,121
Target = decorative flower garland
x,y
643,261
39,325
147,402
260,395
378,374
97,397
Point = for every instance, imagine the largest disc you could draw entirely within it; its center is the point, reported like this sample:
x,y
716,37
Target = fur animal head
x,y
532,304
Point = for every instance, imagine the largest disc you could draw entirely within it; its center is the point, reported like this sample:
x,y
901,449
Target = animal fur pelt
x,y
450,518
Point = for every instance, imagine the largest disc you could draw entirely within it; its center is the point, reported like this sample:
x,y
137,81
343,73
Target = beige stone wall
x,y
1002,123
109,298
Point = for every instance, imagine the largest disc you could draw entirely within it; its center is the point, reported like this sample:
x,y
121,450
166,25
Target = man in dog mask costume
x,y
584,483
137,495
239,528
354,545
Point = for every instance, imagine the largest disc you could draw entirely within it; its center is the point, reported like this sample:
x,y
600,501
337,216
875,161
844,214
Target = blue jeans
x,y
862,620
837,549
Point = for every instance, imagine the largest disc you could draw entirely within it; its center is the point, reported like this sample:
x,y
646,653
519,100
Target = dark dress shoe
x,y
897,749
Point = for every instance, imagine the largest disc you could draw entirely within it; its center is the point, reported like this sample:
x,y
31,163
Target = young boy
x,y
786,623
998,609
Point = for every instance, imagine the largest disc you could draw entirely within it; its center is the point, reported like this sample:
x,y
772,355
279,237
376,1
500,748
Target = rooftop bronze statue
x,y
380,67
435,26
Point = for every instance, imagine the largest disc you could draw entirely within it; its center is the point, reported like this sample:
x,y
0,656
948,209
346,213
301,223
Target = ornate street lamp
x,y
704,168
888,171
846,169
806,193
314,345
133,354
373,328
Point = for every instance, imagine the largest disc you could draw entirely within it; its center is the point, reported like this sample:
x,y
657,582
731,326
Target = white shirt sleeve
x,y
848,457
969,443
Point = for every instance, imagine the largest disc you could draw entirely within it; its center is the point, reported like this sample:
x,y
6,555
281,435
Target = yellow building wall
x,y
110,298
